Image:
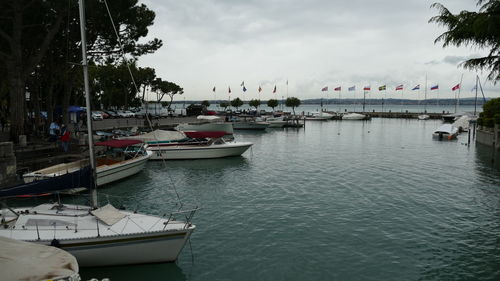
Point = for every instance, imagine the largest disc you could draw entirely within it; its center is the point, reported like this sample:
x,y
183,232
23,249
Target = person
x,y
65,134
53,131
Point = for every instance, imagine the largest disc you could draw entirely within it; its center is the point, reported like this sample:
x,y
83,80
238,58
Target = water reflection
x,y
163,271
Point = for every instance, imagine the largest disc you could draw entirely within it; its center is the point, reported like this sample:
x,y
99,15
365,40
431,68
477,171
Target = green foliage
x,y
205,103
272,103
254,103
497,118
237,102
476,29
162,88
224,105
292,102
491,108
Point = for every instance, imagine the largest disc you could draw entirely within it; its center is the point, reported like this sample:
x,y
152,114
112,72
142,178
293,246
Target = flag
x,y
242,84
229,90
416,87
435,87
366,88
260,89
337,89
213,90
400,87
244,89
456,87
353,88
324,89
381,88
274,91
473,88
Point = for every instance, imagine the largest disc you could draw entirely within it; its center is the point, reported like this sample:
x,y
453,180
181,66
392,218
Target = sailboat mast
x,y
93,187
457,104
425,95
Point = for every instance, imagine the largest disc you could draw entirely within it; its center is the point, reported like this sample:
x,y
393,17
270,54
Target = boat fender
x,y
449,137
55,243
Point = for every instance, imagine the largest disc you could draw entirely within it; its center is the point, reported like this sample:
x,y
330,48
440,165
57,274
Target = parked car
x,y
96,115
104,114
129,113
112,114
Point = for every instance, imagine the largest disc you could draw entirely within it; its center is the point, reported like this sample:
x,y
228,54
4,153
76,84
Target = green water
x,y
338,200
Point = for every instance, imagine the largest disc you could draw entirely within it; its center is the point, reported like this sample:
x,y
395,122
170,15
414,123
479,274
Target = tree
x,y
224,105
293,103
491,113
236,103
163,88
254,103
272,103
476,29
205,103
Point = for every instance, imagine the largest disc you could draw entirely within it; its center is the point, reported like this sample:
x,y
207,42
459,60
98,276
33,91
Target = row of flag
x,y
353,88
384,87
245,89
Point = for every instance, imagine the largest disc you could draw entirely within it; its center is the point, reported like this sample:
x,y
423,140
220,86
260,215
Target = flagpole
x,y
425,97
364,99
475,100
458,96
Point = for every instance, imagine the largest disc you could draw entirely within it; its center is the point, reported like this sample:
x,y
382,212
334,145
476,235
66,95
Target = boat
x,y
319,116
463,122
203,145
445,131
248,123
99,236
423,117
207,123
276,122
123,158
21,260
451,117
354,116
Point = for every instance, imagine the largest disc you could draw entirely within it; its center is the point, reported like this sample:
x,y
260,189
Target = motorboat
x,y
248,123
445,131
423,117
100,237
207,123
354,116
202,145
276,122
319,116
123,158
451,117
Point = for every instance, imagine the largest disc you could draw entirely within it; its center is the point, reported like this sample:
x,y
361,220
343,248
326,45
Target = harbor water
x,y
336,200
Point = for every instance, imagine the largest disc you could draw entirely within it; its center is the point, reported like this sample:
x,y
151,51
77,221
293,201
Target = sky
x,y
312,44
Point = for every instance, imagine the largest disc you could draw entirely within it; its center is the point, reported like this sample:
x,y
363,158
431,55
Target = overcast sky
x,y
310,43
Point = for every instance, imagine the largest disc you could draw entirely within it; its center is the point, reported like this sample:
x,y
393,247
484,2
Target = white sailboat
x,y
99,236
424,116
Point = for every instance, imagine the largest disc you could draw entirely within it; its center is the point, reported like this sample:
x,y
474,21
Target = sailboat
x,y
424,116
99,236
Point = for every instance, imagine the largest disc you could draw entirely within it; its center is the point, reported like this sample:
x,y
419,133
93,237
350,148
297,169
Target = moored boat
x,y
445,132
354,116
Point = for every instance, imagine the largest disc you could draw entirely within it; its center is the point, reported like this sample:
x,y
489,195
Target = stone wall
x,y
488,136
7,163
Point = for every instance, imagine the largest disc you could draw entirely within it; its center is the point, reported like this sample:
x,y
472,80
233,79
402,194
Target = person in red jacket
x,y
65,136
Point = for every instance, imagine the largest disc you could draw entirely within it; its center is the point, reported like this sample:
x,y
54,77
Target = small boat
x,y
123,158
207,123
423,117
463,122
276,122
354,116
248,123
451,117
319,116
445,131
203,145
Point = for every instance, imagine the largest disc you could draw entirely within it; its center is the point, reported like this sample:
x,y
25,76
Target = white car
x,y
96,116
129,113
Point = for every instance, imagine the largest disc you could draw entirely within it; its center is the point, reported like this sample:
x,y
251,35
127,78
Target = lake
x,y
336,200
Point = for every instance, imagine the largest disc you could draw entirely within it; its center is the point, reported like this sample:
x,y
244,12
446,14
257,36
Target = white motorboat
x,y
445,131
100,237
276,122
354,116
423,117
203,146
248,123
319,116
207,123
123,159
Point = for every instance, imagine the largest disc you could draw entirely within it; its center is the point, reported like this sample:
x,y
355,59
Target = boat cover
x,y
202,135
108,214
21,260
158,135
207,117
118,143
80,178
